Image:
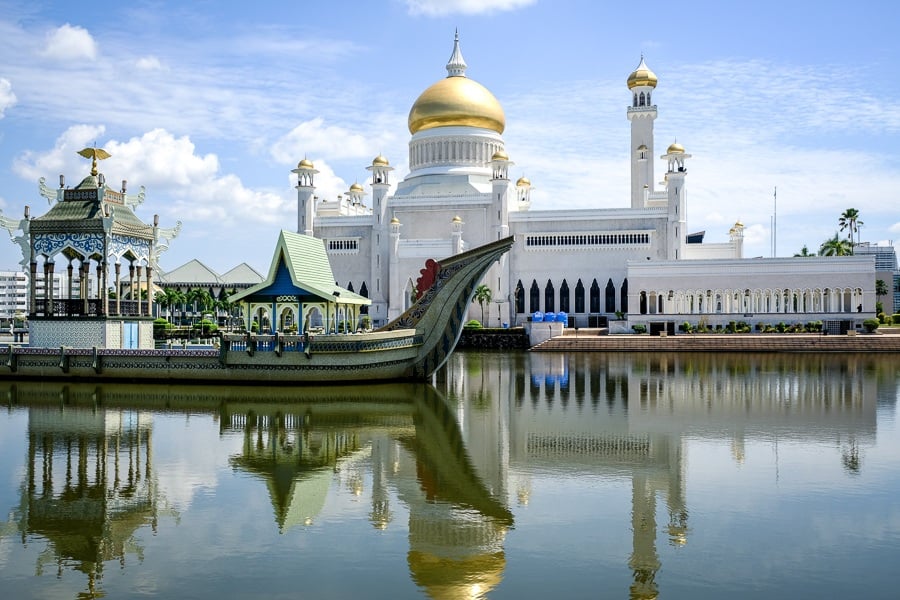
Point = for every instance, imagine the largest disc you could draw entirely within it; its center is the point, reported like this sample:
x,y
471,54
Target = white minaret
x,y
395,292
306,204
497,277
677,219
641,113
381,171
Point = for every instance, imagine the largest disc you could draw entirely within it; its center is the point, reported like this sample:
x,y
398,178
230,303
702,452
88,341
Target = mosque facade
x,y
585,262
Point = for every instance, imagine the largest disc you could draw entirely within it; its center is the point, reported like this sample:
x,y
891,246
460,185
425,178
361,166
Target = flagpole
x,y
775,224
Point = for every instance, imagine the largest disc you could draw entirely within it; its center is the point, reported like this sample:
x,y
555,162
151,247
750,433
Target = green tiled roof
x,y
307,262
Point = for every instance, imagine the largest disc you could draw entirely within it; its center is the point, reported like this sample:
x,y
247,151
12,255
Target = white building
x,y
589,264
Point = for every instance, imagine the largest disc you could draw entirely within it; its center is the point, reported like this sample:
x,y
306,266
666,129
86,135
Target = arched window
x,y
520,298
610,297
350,287
624,296
549,297
534,297
564,297
579,297
595,297
643,303
641,101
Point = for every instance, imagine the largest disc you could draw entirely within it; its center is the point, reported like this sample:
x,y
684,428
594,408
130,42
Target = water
x,y
513,476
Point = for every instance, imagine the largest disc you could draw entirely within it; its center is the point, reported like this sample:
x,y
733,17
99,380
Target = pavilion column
x,y
69,282
118,271
104,278
137,279
84,285
100,291
48,285
149,291
131,280
32,288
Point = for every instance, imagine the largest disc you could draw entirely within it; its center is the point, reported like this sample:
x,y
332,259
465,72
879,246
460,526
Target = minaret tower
x,y
306,205
677,219
497,278
641,113
381,172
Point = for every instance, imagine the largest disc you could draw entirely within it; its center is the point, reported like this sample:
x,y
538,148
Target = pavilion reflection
x,y
631,415
91,482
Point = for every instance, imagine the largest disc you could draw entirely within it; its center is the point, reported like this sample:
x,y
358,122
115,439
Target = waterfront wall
x,y
514,338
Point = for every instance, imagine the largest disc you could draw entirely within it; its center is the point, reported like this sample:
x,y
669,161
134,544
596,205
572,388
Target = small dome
x,y
675,148
642,76
523,181
356,188
500,155
456,219
395,221
380,161
642,147
305,164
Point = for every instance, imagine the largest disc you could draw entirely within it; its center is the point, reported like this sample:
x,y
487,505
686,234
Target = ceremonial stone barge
x,y
411,347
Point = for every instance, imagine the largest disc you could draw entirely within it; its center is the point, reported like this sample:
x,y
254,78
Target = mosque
x,y
637,264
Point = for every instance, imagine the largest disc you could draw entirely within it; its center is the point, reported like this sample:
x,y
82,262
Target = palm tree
x,y
881,288
804,252
850,220
482,297
836,246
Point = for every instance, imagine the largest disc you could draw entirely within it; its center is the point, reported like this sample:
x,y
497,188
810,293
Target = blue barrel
x,y
538,317
562,317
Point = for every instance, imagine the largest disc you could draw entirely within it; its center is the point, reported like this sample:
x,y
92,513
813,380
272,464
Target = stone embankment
x,y
589,341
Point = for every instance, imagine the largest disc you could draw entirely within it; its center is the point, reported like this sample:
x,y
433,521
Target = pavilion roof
x,y
300,267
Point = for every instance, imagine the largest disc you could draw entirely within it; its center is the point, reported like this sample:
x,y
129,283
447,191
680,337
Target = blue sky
x,y
209,105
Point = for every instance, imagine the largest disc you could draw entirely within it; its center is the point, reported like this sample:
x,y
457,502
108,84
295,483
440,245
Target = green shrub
x,y
895,319
814,326
205,328
639,328
473,324
870,325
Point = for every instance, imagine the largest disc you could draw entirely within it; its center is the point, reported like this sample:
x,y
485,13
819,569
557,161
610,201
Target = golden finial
x,y
94,154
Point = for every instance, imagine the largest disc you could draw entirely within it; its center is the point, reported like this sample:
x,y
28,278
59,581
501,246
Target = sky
x,y
788,108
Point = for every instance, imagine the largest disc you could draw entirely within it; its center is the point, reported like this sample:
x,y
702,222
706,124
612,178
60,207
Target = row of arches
x,y
642,99
751,301
577,299
87,288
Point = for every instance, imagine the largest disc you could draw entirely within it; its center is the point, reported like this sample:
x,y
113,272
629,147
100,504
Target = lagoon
x,y
513,475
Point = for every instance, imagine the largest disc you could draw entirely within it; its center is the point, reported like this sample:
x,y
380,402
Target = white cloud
x,y
33,165
149,63
442,8
314,137
7,98
70,43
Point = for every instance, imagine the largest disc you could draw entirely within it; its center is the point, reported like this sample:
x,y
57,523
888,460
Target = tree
x,y
836,246
850,220
881,288
482,297
804,252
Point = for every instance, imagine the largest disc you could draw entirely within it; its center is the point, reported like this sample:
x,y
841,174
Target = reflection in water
x,y
631,415
293,440
450,456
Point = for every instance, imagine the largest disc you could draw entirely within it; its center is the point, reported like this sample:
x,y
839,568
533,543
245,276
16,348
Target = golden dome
x,y
675,148
642,147
395,221
523,181
456,219
380,161
305,164
356,187
500,155
642,76
456,101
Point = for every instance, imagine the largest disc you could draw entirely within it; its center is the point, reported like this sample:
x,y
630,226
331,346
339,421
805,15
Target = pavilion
x,y
300,288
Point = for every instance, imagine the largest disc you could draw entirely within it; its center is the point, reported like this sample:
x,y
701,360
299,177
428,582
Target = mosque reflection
x,y
631,415
454,453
